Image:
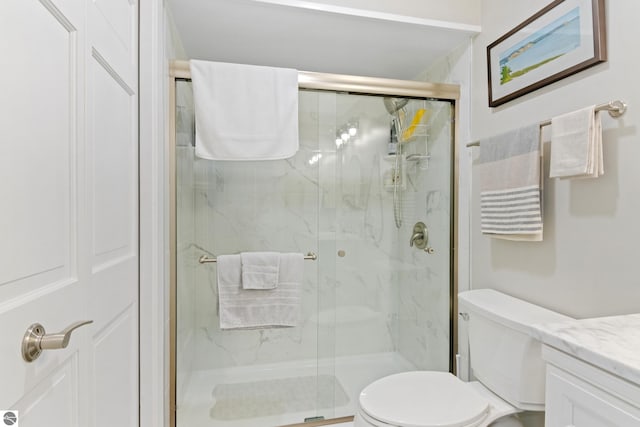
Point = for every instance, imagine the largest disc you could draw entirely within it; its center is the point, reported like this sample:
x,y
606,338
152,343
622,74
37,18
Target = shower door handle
x,y
36,340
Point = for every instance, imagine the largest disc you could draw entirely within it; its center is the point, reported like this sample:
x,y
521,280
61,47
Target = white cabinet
x,y
579,394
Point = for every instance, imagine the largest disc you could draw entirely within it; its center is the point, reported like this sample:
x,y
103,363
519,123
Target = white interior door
x,y
69,217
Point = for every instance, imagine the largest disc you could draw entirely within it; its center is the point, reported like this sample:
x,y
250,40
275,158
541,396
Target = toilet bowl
x,y
505,358
428,399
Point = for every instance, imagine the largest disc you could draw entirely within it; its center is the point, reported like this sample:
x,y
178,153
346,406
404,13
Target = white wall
x,y
587,264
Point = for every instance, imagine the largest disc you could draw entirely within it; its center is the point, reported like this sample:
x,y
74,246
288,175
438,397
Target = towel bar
x,y
204,259
615,108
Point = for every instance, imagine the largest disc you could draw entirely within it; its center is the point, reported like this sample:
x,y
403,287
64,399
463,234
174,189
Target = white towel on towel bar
x,y
511,185
260,270
576,145
240,308
245,112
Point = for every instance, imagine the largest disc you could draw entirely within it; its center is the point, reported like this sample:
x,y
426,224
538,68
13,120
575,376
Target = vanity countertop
x,y
610,343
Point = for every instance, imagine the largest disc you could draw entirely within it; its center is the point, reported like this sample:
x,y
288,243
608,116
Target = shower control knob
x,y
429,250
420,236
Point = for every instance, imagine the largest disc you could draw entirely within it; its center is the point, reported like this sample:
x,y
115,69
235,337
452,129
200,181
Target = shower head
x,y
393,105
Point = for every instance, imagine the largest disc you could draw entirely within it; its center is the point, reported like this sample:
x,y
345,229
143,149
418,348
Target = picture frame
x,y
563,38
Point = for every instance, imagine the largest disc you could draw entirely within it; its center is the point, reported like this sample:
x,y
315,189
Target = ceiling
x,y
302,36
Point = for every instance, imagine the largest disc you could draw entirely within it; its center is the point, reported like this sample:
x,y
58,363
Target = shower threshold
x,y
233,398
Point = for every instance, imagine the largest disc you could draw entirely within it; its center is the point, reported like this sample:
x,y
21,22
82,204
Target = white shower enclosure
x,y
371,304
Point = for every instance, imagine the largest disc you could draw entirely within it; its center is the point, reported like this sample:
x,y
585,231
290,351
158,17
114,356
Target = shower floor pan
x,y
283,393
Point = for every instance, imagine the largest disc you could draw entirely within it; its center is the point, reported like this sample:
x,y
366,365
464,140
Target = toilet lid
x,y
423,399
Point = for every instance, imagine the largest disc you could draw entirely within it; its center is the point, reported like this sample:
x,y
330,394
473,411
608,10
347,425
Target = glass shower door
x,y
370,304
254,377
388,304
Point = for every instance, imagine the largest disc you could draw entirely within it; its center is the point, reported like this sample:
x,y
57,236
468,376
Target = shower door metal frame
x,y
340,83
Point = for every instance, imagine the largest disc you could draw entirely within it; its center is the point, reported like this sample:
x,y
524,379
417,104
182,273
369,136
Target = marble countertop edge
x,y
610,343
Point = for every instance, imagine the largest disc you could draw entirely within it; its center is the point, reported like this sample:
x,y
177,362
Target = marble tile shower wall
x,y
255,206
381,296
365,295
455,68
423,279
337,203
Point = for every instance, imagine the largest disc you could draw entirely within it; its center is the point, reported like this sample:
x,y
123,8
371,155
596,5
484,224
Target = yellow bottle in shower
x,y
408,132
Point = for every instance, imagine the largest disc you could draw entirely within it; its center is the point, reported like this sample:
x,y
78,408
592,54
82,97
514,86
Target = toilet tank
x,y
505,355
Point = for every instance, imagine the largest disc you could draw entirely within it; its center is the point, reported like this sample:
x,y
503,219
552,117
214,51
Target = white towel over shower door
x,y
69,210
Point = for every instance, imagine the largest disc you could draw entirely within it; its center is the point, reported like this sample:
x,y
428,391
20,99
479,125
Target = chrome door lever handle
x,y
61,339
36,340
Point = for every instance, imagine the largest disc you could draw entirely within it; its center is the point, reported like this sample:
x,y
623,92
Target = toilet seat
x,y
422,399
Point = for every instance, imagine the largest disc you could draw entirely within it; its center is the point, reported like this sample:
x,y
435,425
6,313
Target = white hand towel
x,y
511,185
245,112
291,268
576,145
260,270
254,309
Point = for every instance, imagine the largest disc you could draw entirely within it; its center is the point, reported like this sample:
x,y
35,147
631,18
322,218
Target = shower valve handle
x,y
420,236
416,236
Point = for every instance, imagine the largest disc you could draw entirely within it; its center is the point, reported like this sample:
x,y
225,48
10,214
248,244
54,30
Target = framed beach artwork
x,y
565,37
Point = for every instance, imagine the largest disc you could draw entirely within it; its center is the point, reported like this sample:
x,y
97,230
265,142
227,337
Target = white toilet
x,y
505,358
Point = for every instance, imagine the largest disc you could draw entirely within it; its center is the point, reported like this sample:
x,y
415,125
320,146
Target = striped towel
x,y
510,185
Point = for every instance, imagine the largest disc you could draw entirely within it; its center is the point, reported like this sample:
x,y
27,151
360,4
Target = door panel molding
x,y
53,401
42,202
111,71
110,351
